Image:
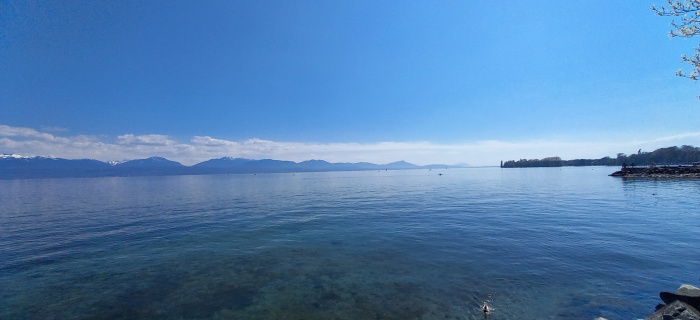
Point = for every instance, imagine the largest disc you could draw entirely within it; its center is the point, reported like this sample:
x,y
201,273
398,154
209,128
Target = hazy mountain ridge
x,y
152,162
22,167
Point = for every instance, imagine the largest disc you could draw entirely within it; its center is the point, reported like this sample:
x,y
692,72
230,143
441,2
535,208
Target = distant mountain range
x,y
19,167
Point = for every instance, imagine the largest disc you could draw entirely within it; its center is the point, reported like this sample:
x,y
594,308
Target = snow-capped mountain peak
x,y
13,156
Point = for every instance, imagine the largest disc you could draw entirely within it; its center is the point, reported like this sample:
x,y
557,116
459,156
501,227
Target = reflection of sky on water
x,y
347,245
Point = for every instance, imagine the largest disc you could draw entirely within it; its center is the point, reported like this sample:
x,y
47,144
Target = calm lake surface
x,y
539,243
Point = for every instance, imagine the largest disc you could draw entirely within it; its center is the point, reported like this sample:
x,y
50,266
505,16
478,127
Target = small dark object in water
x,y
486,309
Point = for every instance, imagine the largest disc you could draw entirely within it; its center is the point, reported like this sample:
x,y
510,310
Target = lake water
x,y
538,243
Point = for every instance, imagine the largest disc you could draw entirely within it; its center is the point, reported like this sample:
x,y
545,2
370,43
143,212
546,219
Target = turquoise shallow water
x,y
539,243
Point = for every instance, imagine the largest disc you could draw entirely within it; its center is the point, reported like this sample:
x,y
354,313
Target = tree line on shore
x,y
684,155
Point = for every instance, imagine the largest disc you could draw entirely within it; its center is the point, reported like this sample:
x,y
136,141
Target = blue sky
x,y
423,81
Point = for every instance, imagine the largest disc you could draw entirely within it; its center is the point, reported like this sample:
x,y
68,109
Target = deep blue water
x,y
538,243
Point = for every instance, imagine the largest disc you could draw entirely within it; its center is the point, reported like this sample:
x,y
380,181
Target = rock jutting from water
x,y
658,172
680,305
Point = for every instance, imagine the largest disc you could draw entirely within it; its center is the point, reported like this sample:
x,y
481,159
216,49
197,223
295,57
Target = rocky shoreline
x,y
658,172
680,305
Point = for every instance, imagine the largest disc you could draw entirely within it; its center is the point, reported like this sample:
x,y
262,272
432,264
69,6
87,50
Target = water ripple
x,y
541,243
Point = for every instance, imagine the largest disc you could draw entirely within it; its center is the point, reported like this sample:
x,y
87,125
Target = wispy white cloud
x,y
684,136
20,132
209,141
53,129
147,139
28,141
